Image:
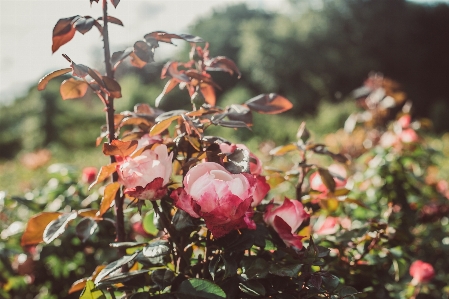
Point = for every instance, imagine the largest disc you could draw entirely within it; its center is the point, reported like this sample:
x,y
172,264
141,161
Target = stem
x,y
206,257
302,176
120,219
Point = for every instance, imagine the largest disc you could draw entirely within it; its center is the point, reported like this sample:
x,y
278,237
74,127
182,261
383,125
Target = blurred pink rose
x,y
255,166
222,199
145,176
89,175
327,227
286,219
404,121
147,140
408,136
421,272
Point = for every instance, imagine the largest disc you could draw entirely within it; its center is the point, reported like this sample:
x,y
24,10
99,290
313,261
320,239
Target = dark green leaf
x,y
115,2
162,277
252,288
115,265
290,270
123,278
240,113
143,51
126,244
230,265
117,57
327,178
84,24
157,251
86,228
182,220
55,228
347,291
330,282
255,267
201,288
214,265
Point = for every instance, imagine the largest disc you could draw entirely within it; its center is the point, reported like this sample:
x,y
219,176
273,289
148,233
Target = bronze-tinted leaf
x,y
136,61
44,81
241,113
115,2
224,64
104,173
85,228
121,148
57,227
99,27
34,230
117,57
115,265
135,121
80,283
88,213
269,104
327,179
169,114
161,36
72,89
283,149
63,32
80,70
143,109
84,24
96,76
112,87
109,195
112,19
163,125
171,69
208,93
143,51
167,88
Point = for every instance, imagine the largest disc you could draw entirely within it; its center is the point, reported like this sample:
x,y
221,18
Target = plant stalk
x,y
119,200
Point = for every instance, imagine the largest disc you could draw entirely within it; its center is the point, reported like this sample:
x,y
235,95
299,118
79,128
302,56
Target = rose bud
x,y
89,175
286,219
255,166
222,199
145,176
421,272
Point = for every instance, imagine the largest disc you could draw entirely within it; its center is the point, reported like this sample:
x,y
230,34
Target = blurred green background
x,y
314,54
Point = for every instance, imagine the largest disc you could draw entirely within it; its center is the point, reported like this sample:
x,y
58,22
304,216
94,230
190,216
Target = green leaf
x,y
86,228
330,282
252,288
55,228
255,267
90,292
114,266
136,276
157,251
347,292
201,288
238,161
162,277
214,265
148,224
285,270
182,220
230,265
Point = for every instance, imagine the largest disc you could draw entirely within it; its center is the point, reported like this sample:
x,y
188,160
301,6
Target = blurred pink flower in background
x,y
421,272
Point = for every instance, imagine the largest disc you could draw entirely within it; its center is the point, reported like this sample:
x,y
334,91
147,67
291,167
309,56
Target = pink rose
x,y
327,227
404,121
222,199
89,175
255,166
147,140
408,136
286,219
145,176
421,272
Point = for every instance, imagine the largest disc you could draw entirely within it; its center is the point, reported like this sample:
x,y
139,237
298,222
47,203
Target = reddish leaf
x,y
269,104
84,24
165,37
143,51
99,27
80,283
209,93
117,57
120,148
143,109
109,195
88,213
44,81
167,88
57,227
136,61
104,173
35,228
281,150
171,69
135,121
72,89
115,2
112,20
63,32
163,125
112,87
224,64
96,76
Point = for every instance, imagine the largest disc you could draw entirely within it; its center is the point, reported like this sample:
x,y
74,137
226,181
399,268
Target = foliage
x,y
180,213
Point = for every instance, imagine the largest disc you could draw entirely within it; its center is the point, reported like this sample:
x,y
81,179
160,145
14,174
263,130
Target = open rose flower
x,y
286,219
145,176
421,272
222,199
255,167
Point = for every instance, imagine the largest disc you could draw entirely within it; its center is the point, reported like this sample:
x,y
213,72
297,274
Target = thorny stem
x,y
207,254
119,200
302,176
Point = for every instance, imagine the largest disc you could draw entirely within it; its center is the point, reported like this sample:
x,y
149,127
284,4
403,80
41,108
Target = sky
x,y
26,28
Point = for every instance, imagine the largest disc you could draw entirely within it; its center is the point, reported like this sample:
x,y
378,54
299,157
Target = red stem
x,y
120,219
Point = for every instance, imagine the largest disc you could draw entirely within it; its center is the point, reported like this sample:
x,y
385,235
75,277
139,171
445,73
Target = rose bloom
x,y
408,136
327,227
89,175
421,272
222,199
255,167
404,121
316,183
145,176
286,219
